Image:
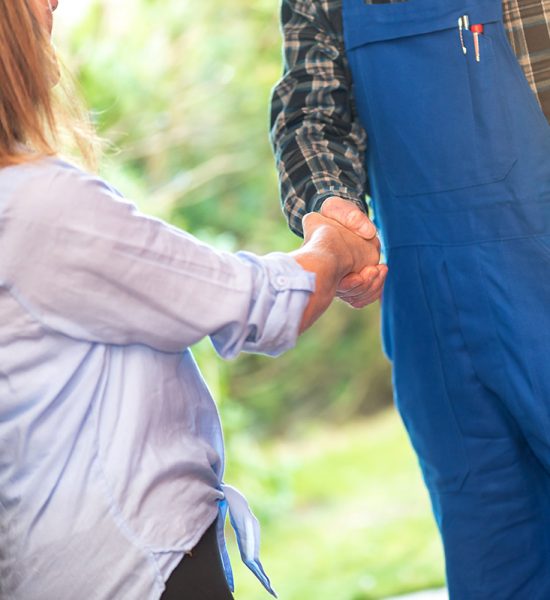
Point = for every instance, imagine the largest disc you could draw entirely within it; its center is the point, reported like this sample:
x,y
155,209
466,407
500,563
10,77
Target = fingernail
x,y
368,231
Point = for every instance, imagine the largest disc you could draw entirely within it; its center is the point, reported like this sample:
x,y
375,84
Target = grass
x,y
344,514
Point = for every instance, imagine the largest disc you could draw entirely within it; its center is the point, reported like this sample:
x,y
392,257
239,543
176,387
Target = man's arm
x,y
318,142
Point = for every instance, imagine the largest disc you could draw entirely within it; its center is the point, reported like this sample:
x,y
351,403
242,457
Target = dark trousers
x,y
200,575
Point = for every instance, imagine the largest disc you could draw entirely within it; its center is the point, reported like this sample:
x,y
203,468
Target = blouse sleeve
x,y
87,264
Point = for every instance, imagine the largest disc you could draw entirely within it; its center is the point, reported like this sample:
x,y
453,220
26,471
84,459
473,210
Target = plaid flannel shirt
x,y
318,142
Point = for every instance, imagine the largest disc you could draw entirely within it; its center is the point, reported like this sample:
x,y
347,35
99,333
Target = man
x,y
429,99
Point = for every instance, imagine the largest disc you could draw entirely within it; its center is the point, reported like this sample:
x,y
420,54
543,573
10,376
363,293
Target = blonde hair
x,y
40,113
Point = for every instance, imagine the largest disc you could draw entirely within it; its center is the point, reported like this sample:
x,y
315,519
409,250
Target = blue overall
x,y
459,165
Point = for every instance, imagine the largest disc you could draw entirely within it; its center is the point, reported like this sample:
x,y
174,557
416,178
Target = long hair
x,y
40,114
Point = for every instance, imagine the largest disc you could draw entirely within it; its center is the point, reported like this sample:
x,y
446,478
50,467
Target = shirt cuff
x,y
317,200
282,290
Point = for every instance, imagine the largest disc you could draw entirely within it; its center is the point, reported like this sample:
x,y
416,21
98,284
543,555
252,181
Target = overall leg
x,y
485,484
516,284
513,357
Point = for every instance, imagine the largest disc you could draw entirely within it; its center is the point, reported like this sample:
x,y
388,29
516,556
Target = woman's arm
x,y
85,263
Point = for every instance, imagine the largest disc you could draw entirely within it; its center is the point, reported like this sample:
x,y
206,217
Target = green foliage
x,y
353,522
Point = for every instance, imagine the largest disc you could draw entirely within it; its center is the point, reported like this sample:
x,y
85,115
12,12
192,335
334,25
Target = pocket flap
x,y
368,23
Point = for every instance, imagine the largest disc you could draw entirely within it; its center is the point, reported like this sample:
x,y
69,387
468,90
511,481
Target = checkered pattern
x,y
318,142
528,26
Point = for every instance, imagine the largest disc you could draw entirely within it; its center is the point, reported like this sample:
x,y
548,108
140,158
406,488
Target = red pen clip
x,y
476,30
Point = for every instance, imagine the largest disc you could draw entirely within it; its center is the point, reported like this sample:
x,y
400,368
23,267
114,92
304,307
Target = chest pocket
x,y
437,118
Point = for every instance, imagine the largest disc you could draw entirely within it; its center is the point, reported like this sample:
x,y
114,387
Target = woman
x,y
111,453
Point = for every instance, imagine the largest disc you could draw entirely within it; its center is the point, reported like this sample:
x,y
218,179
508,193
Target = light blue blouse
x,y
111,450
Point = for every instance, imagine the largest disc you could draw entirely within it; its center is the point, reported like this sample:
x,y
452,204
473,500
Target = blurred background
x,y
180,89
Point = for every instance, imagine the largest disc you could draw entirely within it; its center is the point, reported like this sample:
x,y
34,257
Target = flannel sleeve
x,y
318,142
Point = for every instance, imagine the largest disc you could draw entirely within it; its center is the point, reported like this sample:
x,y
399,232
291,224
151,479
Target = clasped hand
x,y
364,285
341,248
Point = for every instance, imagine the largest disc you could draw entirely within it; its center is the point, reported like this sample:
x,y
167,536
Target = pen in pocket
x,y
476,30
463,23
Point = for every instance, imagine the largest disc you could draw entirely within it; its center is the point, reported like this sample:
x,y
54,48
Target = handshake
x,y
341,248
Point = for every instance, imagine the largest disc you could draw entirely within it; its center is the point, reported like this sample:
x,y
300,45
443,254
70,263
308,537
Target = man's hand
x,y
365,286
332,252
